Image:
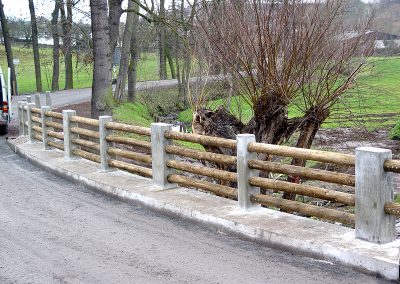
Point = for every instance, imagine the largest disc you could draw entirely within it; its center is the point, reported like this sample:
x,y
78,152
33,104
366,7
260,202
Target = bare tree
x,y
115,12
297,54
101,86
161,43
35,45
7,43
134,52
56,46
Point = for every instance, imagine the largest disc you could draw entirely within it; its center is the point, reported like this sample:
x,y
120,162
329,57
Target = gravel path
x,y
52,231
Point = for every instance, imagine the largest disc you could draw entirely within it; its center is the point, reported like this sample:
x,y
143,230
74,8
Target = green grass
x,y
147,69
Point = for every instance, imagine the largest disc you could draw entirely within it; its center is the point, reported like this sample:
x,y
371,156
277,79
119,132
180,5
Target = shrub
x,y
395,132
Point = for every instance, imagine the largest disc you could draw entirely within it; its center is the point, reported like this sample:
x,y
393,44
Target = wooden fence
x,y
158,152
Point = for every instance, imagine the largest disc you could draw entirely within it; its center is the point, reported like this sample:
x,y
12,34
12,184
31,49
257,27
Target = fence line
x,y
238,177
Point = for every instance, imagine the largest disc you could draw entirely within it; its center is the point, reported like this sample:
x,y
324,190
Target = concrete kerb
x,y
275,229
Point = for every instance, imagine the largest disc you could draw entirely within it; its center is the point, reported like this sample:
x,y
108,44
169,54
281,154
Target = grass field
x,y
147,69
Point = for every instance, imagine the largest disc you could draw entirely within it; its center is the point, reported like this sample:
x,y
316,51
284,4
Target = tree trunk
x,y
119,93
35,45
56,47
170,61
69,73
101,86
7,44
115,12
132,72
161,43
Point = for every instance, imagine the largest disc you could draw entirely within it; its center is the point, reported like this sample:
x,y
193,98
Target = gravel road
x,y
52,231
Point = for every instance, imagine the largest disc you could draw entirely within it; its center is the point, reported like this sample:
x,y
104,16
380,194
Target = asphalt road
x,y
52,231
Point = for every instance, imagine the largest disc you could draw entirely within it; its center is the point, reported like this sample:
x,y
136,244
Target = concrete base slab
x,y
314,238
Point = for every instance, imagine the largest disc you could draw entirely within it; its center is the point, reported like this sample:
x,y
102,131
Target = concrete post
x,y
68,135
28,99
37,101
30,122
45,128
374,188
24,118
20,119
159,156
244,172
104,144
48,99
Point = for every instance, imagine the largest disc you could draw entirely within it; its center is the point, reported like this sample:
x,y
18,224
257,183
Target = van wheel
x,y
3,129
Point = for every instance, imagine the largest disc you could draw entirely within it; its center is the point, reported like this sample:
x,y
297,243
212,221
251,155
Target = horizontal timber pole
x,y
86,155
37,137
201,139
37,128
206,156
36,110
54,114
128,141
305,154
392,166
36,119
87,144
129,155
392,208
58,135
128,128
57,145
85,120
204,171
85,132
130,168
303,208
55,125
302,189
204,185
314,174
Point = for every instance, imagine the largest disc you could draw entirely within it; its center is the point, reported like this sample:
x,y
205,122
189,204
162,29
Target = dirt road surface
x,y
52,231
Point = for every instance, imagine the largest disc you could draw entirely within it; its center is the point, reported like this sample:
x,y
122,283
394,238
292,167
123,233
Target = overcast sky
x,y
20,8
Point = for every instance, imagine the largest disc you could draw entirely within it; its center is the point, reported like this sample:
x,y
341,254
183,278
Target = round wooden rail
x,y
303,208
204,171
205,156
85,120
36,110
129,155
37,128
130,168
314,174
128,128
208,186
392,208
86,155
201,139
58,135
55,125
54,114
37,137
59,146
37,119
305,154
85,132
128,141
392,166
86,144
302,189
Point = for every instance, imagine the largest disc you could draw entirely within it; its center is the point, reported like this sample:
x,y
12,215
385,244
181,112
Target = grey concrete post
x,y
374,188
159,156
28,99
68,135
24,118
30,122
20,119
104,144
244,172
37,101
48,99
45,128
